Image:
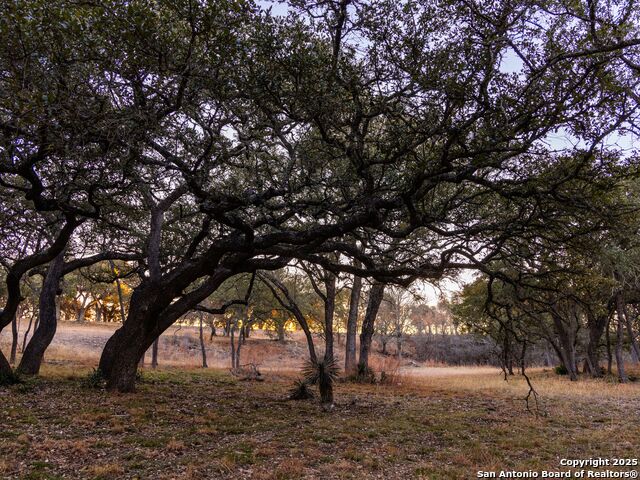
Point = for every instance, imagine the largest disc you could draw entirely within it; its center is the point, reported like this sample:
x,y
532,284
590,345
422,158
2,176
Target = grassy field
x,y
193,423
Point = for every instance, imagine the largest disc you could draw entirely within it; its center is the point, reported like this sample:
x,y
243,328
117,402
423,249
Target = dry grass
x,y
185,422
489,381
192,423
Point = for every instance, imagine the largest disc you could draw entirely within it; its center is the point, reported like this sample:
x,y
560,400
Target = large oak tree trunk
x,y
152,310
373,305
352,326
43,335
125,348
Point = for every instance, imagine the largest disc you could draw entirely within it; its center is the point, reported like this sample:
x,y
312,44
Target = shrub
x,y
561,370
300,391
94,379
323,373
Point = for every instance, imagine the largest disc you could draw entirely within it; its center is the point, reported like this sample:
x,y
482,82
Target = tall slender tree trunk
x,y
154,353
226,329
280,331
213,331
507,354
59,315
81,315
247,331
26,333
597,325
352,327
635,348
241,341
567,347
14,336
48,321
123,316
329,310
202,346
373,305
622,376
609,353
232,333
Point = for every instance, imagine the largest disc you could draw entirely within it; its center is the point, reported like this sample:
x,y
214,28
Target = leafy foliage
x,y
94,379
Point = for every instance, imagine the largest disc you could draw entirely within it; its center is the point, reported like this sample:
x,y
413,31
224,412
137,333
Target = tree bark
x,y
152,310
202,346
213,331
81,314
373,305
280,331
567,347
352,327
292,307
596,325
127,345
123,351
16,272
241,341
43,335
14,338
247,331
232,334
123,316
226,327
609,354
622,376
98,309
329,310
154,353
632,337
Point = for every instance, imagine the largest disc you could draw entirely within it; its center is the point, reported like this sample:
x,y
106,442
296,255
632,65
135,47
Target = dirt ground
x,y
206,424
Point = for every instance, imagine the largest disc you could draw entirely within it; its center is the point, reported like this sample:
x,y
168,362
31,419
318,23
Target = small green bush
x,y
561,370
94,379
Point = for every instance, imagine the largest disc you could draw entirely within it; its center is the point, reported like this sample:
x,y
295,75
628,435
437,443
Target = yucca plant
x,y
323,373
300,391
